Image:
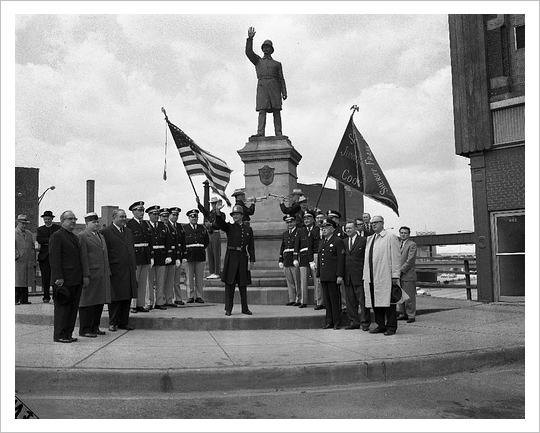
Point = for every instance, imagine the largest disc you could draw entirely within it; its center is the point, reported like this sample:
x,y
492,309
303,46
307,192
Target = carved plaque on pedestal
x,y
266,175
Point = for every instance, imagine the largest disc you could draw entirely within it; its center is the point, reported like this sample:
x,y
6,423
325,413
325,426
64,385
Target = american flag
x,y
200,162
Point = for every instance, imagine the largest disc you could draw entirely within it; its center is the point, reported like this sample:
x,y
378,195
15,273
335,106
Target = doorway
x,y
508,236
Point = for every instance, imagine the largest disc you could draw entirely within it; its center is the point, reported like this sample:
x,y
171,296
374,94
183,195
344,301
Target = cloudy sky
x,y
89,89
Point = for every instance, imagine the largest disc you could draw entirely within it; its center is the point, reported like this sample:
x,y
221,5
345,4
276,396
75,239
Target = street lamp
x,y
41,196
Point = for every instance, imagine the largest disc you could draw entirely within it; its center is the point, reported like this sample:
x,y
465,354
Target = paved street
x,y
488,393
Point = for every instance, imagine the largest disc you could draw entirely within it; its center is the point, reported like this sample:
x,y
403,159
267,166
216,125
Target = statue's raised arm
x,y
271,89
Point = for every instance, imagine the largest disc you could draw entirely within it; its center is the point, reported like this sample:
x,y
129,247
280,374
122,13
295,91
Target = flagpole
x,y
322,189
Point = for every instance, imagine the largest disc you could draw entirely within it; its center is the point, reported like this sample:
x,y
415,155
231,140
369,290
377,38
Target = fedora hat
x,y
47,213
22,219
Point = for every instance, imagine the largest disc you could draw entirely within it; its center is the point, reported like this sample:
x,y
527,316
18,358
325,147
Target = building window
x,y
519,33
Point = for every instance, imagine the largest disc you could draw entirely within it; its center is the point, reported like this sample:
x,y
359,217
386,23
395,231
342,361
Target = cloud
x,y
88,102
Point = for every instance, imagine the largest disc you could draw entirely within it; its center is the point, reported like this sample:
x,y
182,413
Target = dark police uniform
x,y
330,265
162,246
287,256
142,243
240,251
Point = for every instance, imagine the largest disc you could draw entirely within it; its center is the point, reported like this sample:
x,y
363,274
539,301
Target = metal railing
x,y
429,268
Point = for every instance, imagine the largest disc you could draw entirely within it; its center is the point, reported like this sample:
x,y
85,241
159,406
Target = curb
x,y
73,381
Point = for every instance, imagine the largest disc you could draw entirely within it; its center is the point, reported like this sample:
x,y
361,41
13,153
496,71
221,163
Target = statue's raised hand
x,y
251,32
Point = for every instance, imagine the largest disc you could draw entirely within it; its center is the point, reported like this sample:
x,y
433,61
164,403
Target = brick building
x,y
488,83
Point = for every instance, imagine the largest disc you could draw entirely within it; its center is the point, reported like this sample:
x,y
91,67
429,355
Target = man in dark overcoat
x,y
119,241
96,290
330,269
239,258
44,233
67,275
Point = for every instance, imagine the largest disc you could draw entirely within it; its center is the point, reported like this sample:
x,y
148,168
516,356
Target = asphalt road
x,y
489,393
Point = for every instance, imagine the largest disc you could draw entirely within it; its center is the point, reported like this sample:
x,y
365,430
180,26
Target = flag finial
x,y
165,113
354,108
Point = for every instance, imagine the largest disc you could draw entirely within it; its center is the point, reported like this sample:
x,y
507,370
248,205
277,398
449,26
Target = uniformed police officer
x,y
287,256
304,250
318,234
195,258
168,289
161,244
331,269
143,255
339,231
239,258
180,252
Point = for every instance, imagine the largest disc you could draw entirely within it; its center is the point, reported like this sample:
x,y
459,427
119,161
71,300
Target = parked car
x,y
446,278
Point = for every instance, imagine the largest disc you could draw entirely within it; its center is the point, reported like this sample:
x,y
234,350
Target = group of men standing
x,y
347,281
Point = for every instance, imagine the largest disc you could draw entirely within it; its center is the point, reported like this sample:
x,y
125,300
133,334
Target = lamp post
x,y
41,196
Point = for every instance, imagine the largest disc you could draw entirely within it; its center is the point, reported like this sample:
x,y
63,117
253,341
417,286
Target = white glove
x,y
151,263
168,260
178,263
280,265
296,263
312,265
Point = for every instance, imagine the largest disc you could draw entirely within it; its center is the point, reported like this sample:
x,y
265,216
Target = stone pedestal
x,y
269,167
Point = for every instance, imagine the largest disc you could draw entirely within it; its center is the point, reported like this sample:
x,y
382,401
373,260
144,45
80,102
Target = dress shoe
x,y
132,310
302,306
143,310
249,313
402,317
126,327
411,320
377,330
17,303
351,327
227,313
327,326
199,301
62,340
46,301
365,328
149,307
28,302
289,304
89,335
179,302
73,339
297,304
99,332
387,333
160,307
112,328
337,327
190,300
318,307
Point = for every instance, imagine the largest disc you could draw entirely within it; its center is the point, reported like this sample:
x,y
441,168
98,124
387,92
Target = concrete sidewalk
x,y
448,336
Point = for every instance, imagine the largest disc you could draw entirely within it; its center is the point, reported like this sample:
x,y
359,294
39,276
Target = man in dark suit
x,y
119,241
67,274
239,258
44,233
330,269
408,250
355,249
366,226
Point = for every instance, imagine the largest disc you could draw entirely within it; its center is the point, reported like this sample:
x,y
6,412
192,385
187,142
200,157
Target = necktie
x,y
350,244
